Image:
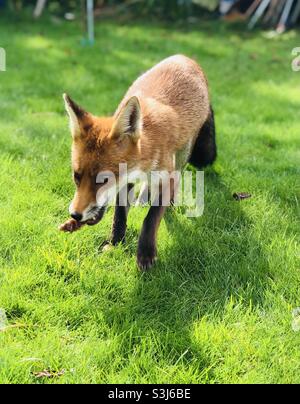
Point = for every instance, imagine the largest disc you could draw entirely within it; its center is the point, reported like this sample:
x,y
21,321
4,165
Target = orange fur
x,y
160,115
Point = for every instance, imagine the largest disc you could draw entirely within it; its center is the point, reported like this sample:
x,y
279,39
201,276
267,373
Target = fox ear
x,y
78,116
129,121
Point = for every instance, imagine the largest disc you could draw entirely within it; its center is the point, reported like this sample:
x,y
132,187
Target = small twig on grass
x,y
48,374
239,196
10,327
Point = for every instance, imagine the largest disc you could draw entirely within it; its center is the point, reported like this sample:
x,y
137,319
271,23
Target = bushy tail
x,y
205,149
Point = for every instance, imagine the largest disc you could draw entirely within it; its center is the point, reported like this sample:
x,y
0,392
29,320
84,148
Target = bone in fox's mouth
x,y
98,215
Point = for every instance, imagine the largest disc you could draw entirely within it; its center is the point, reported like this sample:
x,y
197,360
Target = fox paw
x,y
146,257
70,226
106,246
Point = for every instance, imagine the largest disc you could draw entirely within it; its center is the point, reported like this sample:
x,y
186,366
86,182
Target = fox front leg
x,y
119,225
120,221
147,246
147,249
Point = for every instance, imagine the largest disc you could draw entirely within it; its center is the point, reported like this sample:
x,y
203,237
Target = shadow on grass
x,y
209,262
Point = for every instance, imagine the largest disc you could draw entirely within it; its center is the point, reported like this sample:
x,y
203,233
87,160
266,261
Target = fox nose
x,y
77,216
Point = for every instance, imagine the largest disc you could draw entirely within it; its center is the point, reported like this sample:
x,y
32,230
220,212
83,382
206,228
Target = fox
x,y
164,122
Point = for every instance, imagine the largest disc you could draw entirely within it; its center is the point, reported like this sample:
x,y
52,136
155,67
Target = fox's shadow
x,y
224,262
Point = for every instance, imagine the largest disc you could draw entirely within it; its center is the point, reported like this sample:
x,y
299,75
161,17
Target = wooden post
x,y
39,8
90,21
285,15
277,13
296,13
271,11
259,12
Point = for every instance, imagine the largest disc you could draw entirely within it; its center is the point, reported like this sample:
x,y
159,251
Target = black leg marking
x,y
119,225
120,220
147,250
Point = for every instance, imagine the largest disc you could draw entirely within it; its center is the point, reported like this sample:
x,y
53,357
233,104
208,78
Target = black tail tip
x,y
205,149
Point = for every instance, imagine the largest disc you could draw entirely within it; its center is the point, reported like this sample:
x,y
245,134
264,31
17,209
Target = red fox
x,y
164,121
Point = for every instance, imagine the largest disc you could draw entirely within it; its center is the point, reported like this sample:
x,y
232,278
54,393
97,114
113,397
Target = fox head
x,y
99,145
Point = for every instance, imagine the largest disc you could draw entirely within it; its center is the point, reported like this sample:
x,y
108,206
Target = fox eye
x,y
77,178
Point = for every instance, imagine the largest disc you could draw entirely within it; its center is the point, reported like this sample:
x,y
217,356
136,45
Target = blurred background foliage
x,y
168,9
276,14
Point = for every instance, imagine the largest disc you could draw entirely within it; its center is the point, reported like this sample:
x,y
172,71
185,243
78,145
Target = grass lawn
x,y
217,308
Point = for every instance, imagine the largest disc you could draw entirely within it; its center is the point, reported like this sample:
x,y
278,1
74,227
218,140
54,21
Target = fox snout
x,y
76,216
82,214
90,216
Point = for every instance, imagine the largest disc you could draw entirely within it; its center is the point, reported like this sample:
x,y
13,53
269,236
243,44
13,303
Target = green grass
x,y
217,308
